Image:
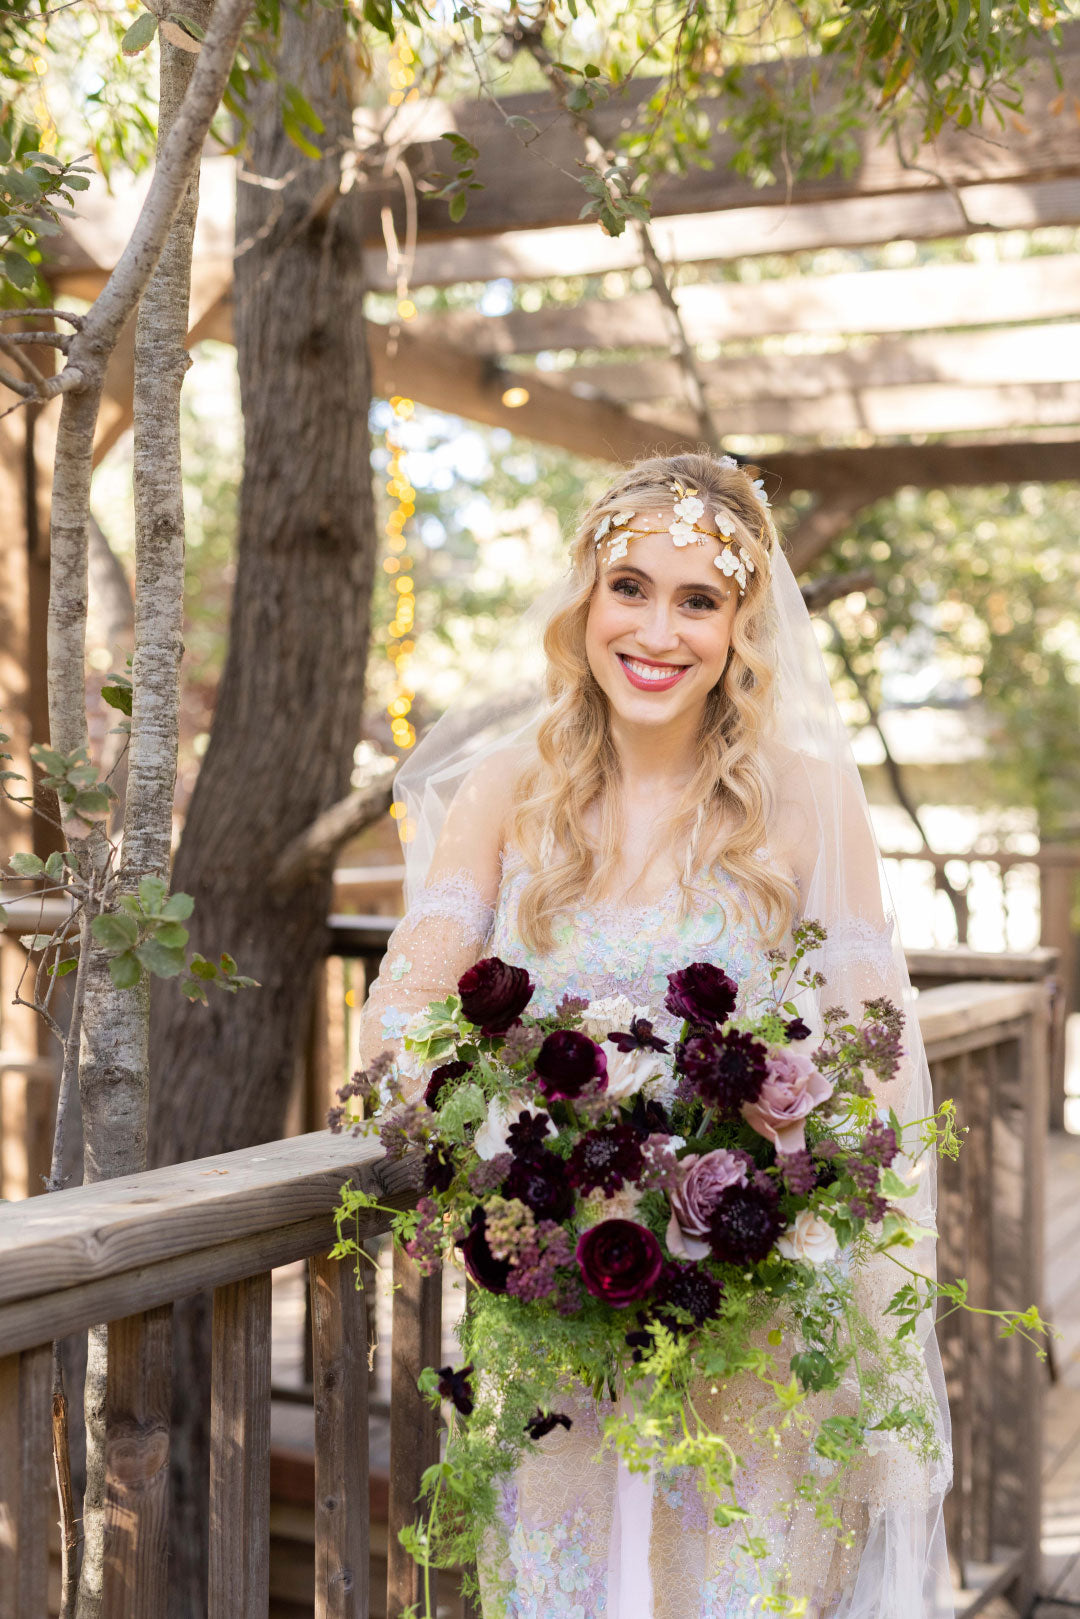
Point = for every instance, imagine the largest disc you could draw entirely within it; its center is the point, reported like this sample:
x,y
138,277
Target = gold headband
x,y
734,560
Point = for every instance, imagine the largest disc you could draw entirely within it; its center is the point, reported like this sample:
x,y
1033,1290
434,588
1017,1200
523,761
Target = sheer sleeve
x,y
446,926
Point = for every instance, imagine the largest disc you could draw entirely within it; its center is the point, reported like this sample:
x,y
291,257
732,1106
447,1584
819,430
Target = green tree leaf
x,y
114,931
27,865
139,34
124,970
178,907
152,891
160,959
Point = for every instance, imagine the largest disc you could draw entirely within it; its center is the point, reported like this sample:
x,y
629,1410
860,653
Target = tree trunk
x,y
289,704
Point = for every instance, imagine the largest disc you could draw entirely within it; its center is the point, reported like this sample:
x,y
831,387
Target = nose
x,y
657,631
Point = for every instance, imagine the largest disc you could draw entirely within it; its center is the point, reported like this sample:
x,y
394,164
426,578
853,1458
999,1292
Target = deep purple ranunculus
x,y
440,1076
439,1167
746,1222
567,1063
544,1421
493,994
690,1287
701,993
725,1070
456,1387
640,1038
604,1160
480,1262
797,1029
619,1261
538,1179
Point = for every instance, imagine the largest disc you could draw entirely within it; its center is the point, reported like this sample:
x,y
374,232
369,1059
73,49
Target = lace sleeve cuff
x,y
855,939
454,898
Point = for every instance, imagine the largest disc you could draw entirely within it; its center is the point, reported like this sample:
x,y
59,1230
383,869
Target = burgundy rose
x,y
619,1261
538,1179
725,1070
567,1063
701,993
746,1222
440,1076
603,1160
494,994
691,1288
480,1262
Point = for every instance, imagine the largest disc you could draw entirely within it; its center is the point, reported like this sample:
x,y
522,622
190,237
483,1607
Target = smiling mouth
x,y
651,676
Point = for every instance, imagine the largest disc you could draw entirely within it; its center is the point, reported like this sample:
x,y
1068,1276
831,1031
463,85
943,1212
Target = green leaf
x,y
3,915
194,991
91,802
35,941
57,764
178,907
26,865
117,697
524,126
125,971
60,969
203,968
20,273
54,866
139,34
172,934
160,959
228,965
458,205
188,24
77,182
152,891
115,931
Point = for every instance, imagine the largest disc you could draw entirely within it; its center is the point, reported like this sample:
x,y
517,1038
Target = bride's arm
x,y
445,928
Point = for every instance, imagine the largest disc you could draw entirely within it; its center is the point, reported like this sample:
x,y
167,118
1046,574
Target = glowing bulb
x,y
513,398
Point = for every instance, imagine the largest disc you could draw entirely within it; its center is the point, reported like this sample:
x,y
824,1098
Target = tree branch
x,y
819,593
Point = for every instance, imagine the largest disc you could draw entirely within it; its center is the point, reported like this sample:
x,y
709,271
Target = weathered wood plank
x,y
415,1343
954,1009
25,1472
342,1519
923,298
239,1586
137,1418
94,1231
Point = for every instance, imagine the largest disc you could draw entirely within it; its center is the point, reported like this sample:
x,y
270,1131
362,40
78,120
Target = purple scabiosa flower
x,y
493,994
543,1423
568,1063
603,1160
441,1076
640,1038
619,1261
724,1070
701,993
456,1387
745,1223
689,1287
538,1179
481,1264
489,1174
798,1171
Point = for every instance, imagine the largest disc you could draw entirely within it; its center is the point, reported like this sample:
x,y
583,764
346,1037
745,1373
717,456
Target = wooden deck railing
x,y
124,1251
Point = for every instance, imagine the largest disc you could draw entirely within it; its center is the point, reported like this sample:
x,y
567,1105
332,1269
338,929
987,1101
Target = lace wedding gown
x,y
584,1539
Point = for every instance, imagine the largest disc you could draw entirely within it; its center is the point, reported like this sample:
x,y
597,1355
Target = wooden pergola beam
x,y
530,182
924,298
883,468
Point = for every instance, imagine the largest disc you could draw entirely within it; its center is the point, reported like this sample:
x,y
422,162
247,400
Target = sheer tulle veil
x,y
902,1570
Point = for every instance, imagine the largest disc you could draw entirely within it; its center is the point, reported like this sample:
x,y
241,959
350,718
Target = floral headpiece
x,y
734,560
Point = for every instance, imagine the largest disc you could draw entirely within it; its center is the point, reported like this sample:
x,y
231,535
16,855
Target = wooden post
x,y
1057,881
239,1585
415,1342
137,1408
25,1471
342,1511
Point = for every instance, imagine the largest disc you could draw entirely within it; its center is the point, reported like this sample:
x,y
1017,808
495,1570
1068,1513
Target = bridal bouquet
x,y
647,1216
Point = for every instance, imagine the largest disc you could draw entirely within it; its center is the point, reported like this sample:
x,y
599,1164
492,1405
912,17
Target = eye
x,y
708,602
626,587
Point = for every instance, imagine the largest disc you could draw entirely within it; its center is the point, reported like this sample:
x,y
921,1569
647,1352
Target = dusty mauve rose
x,y
792,1089
702,1178
701,993
810,1239
619,1261
567,1063
494,994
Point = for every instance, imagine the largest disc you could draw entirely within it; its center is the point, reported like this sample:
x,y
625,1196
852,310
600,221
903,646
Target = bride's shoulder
x,y
812,799
482,810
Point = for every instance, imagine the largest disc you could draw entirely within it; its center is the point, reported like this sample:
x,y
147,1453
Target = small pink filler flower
x,y
792,1089
702,1178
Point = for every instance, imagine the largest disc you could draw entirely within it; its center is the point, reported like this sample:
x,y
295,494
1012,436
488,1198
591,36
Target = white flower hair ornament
x,y
734,561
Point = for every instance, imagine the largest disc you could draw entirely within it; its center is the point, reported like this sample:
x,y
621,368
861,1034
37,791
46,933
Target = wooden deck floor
x,y
1060,1587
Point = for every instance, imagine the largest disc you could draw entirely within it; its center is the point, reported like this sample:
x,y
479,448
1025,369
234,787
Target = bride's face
x,y
659,629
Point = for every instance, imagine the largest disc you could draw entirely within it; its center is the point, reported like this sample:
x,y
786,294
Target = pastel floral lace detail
x,y
457,897
856,938
554,1571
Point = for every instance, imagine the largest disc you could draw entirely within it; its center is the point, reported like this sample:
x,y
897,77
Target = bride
x,y
682,791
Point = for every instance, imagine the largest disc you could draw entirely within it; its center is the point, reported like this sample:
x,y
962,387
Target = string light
x,y
399,564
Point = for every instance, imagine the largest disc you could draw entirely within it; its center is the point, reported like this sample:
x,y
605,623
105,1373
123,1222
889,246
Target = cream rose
x,y
811,1239
629,1071
613,1012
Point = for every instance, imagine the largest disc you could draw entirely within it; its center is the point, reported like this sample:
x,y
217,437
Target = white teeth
x,y
646,671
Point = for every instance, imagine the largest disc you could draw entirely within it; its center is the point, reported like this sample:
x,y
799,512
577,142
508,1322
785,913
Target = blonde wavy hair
x,y
576,764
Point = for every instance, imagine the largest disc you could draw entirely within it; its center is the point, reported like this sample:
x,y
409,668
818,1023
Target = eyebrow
x,y
628,567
